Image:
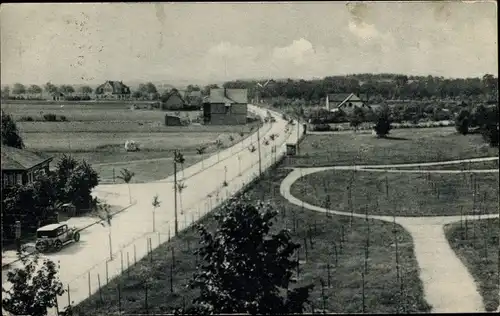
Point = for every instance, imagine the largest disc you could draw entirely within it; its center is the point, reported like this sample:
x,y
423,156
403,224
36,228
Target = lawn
x,y
477,245
404,146
383,292
480,165
98,132
409,194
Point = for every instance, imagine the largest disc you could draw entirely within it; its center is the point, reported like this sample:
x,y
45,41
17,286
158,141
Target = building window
x,y
19,178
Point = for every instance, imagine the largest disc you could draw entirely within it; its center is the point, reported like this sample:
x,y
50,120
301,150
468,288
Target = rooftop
x,y
227,96
20,159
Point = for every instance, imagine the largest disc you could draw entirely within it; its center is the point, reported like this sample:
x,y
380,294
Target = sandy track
x,y
448,285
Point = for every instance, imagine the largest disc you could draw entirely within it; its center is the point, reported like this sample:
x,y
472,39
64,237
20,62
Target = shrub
x,y
50,117
321,127
25,118
63,118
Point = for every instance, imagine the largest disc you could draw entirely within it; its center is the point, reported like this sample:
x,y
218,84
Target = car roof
x,y
50,227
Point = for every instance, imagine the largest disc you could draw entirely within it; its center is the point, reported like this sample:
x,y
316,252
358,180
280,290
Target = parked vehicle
x,y
54,236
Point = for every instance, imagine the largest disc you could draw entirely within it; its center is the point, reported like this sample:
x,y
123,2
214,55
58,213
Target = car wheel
x,y
76,236
57,245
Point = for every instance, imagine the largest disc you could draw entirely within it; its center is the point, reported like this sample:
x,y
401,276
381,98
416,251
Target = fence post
x,y
121,258
99,284
107,274
89,283
135,255
171,278
159,239
69,297
128,264
119,299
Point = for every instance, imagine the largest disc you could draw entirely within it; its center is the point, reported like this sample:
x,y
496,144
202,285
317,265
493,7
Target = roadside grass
x,y
145,171
409,194
490,164
479,251
403,146
383,292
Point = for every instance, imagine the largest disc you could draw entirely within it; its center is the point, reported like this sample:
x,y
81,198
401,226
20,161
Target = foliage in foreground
x,y
34,288
245,269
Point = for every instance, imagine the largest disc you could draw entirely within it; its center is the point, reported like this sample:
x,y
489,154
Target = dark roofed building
x,y
173,101
112,90
225,107
19,166
345,101
193,98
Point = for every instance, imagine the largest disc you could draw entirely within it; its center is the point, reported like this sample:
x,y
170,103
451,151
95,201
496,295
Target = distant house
x,y
56,96
344,101
112,90
225,107
19,166
173,101
193,98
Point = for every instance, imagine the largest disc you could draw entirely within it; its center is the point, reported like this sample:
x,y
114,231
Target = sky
x,y
213,42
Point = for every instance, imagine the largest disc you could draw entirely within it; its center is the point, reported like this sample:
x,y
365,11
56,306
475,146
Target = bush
x,y
50,117
25,118
62,118
321,127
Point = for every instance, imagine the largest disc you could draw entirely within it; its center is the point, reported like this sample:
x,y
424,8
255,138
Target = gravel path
x,y
448,285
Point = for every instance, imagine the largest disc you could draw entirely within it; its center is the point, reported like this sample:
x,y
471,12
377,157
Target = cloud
x,y
298,52
364,30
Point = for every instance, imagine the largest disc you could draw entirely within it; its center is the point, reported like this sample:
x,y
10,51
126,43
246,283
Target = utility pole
x,y
175,194
258,146
298,127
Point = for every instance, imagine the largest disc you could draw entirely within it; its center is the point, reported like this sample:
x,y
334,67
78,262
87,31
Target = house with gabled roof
x,y
19,166
173,101
225,107
112,90
346,102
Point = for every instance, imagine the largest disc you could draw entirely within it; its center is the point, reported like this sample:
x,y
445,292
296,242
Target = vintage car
x,y
54,236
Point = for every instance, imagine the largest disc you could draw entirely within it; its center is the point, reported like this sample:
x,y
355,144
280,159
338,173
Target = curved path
x,y
448,285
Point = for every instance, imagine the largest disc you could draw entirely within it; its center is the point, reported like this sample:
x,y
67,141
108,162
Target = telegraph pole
x,y
258,142
175,195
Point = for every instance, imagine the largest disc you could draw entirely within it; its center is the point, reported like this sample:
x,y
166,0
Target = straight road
x,y
131,230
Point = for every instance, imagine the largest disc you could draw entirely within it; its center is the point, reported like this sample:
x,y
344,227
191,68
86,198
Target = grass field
x,y
404,146
97,133
477,245
383,293
409,194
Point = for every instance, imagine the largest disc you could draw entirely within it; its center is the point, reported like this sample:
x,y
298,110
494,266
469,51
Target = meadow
x,y
98,132
477,244
334,256
403,146
401,194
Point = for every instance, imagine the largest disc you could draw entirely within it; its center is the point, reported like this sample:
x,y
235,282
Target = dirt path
x,y
448,285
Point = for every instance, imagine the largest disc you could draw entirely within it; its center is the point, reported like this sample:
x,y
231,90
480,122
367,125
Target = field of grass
x,y
481,165
408,195
477,245
404,146
98,132
383,291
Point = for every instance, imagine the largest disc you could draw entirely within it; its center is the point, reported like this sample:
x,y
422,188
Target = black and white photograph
x,y
245,158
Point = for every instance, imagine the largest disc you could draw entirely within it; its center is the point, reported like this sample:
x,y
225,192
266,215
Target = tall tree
x,y
127,176
50,88
382,123
66,89
206,89
5,92
10,133
18,88
34,89
86,90
246,268
462,122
